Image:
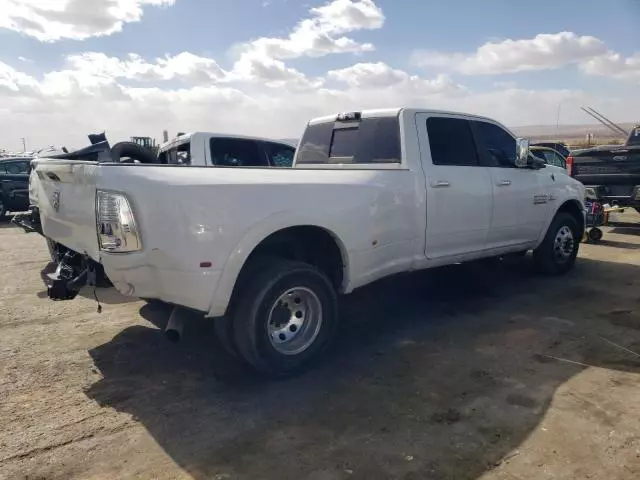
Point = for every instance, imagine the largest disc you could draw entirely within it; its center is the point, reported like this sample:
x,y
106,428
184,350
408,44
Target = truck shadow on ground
x,y
439,374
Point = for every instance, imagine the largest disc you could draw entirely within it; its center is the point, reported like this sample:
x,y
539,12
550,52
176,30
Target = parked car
x,y
266,252
561,148
550,156
14,184
611,173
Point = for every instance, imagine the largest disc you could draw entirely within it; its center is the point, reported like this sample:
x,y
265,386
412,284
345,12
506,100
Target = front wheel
x,y
557,253
286,317
3,209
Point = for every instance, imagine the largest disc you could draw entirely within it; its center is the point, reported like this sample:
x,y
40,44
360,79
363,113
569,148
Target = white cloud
x,y
614,65
319,35
185,66
375,76
544,51
62,106
53,20
322,33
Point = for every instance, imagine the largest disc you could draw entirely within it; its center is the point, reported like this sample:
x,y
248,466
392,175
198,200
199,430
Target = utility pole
x,y
24,145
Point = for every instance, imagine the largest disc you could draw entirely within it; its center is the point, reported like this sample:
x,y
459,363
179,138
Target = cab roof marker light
x,y
349,116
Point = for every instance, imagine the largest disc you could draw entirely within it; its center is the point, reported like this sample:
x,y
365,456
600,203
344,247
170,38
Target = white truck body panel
x,y
385,218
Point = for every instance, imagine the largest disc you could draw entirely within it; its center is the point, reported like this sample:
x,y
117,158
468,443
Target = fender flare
x,y
252,238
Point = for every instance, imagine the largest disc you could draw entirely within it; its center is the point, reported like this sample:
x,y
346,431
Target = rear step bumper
x,y
601,194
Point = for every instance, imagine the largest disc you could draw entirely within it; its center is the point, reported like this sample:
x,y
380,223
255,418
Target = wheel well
x,y
310,244
573,207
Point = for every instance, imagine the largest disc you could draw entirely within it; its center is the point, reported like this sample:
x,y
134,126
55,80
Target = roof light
x,y
349,116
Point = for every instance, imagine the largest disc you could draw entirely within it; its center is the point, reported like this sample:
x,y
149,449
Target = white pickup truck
x,y
265,252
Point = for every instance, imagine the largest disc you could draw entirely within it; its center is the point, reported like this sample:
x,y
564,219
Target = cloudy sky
x,y
264,67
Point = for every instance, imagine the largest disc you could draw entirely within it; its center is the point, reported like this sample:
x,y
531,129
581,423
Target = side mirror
x,y
522,152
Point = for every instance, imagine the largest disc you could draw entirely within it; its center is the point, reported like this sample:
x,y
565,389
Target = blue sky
x,y
424,49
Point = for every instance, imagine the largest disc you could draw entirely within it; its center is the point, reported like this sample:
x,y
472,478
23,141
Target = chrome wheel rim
x,y
563,245
294,321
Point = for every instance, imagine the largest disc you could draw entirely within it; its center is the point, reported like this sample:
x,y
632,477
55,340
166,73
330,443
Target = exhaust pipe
x,y
175,325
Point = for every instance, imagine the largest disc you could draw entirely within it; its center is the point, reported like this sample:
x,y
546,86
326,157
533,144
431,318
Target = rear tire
x,y
3,209
557,253
223,327
286,316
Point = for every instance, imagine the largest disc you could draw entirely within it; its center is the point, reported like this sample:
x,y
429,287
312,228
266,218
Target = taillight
x,y
116,224
570,164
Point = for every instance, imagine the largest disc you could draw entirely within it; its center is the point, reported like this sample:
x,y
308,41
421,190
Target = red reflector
x,y
205,264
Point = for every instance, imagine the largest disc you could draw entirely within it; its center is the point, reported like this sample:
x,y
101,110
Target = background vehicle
x,y
611,173
14,184
550,156
210,149
561,148
266,251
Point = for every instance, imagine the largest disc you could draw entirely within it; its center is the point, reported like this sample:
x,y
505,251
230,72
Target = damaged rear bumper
x,y
64,278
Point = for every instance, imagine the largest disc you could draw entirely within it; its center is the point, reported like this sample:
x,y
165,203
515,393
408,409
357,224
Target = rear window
x,y
634,138
366,141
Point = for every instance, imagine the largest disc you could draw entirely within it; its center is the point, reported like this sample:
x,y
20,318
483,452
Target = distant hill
x,y
570,133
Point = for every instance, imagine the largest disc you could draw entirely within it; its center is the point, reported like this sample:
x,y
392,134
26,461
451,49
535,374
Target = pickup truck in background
x,y
219,150
265,252
611,174
191,149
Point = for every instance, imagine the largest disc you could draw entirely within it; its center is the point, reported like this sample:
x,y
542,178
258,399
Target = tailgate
x,y
619,166
66,191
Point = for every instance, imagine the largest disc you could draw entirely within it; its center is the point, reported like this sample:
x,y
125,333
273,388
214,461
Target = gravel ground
x,y
474,371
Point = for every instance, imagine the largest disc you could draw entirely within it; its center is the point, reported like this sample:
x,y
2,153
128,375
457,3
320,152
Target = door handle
x,y
440,184
504,183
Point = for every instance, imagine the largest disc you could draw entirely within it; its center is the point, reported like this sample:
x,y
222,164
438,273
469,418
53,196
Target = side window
x,y
497,144
366,141
15,168
451,142
280,155
236,152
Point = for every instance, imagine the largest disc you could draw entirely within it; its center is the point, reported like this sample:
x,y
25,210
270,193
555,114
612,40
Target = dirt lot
x,y
477,371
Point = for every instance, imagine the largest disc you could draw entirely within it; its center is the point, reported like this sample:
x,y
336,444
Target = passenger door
x,y
459,193
519,198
